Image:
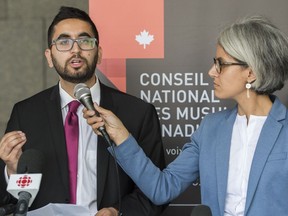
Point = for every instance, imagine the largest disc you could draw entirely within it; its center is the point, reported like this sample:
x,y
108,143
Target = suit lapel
x,y
102,152
222,157
56,126
265,144
102,168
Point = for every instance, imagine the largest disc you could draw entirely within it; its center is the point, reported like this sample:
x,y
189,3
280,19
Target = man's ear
x,y
49,58
99,60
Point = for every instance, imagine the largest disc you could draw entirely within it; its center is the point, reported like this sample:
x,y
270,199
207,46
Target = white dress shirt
x,y
243,145
87,152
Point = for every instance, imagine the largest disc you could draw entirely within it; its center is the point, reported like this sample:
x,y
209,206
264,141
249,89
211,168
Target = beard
x,y
81,75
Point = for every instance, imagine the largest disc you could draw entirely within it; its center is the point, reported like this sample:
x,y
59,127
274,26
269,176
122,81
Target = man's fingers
x,y
11,143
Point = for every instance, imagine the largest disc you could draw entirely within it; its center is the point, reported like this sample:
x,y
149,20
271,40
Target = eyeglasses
x,y
218,64
66,44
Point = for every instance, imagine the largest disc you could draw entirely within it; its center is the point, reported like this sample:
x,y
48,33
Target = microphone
x,y
7,209
201,210
26,183
83,94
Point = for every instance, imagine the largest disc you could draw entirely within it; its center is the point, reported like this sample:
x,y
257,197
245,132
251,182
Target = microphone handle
x,y
22,205
87,102
105,135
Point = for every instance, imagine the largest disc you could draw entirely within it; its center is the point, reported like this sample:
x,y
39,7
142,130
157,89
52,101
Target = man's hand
x,y
107,212
11,149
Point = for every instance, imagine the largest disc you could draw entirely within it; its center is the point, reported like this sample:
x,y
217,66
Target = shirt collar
x,y
65,98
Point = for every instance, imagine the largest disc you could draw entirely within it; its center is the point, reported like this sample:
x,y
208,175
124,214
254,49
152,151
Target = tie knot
x,y
73,106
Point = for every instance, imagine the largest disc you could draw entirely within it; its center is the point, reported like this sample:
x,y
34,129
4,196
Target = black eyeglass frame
x,y
218,64
78,40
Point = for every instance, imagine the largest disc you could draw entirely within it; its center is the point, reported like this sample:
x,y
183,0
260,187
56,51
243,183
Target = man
x,y
37,123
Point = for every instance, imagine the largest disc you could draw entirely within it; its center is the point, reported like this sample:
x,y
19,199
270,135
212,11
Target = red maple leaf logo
x,y
144,38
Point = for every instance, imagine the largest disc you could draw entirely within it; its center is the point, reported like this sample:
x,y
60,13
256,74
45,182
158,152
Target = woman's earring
x,y
248,86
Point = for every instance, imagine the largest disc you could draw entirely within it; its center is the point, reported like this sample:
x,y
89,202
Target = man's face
x,y
75,65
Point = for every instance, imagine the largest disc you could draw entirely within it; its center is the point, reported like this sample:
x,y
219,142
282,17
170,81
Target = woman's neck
x,y
258,105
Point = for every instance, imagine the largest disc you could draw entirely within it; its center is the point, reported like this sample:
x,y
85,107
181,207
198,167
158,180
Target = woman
x,y
240,154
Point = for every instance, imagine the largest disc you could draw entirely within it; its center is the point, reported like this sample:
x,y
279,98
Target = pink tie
x,y
72,135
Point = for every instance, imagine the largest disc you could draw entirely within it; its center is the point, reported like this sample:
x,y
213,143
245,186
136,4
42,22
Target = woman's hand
x,y
113,125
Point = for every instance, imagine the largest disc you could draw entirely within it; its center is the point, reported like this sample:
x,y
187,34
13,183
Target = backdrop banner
x,y
161,51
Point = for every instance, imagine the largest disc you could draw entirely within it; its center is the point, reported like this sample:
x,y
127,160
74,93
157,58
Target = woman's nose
x,y
213,72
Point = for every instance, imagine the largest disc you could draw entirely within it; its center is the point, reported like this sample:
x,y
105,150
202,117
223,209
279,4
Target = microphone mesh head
x,y
81,90
31,161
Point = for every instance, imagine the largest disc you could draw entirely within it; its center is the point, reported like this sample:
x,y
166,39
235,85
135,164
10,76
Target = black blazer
x,y
40,118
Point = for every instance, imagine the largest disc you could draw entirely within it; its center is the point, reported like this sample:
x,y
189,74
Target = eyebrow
x,y
222,60
64,35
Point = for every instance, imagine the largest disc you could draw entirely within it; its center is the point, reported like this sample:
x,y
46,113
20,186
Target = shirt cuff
x,y
6,174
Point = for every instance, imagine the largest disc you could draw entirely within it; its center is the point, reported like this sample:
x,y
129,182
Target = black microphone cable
x,y
118,179
21,208
83,94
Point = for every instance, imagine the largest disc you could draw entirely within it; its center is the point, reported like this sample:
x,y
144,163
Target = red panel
x,y
119,22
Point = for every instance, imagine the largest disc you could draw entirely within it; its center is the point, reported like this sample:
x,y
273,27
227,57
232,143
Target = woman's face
x,y
230,82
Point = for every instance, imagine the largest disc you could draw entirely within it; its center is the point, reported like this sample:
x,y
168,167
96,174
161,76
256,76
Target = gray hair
x,y
257,42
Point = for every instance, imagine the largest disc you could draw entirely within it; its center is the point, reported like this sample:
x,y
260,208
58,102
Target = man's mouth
x,y
76,62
